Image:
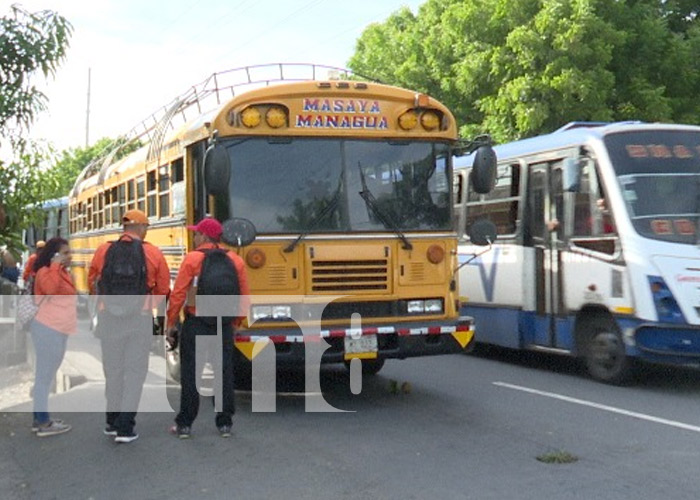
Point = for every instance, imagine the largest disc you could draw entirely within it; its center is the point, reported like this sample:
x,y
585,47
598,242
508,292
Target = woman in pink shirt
x,y
55,293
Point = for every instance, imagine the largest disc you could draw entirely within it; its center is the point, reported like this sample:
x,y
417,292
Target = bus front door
x,y
546,227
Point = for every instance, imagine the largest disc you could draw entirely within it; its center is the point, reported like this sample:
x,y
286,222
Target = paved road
x,y
470,427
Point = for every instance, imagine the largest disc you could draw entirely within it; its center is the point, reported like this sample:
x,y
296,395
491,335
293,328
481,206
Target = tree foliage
x,y
517,69
71,162
31,45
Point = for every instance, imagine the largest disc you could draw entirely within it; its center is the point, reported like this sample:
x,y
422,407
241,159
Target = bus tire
x,y
604,353
369,366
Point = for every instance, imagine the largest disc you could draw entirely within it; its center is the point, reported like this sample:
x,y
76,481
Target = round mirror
x,y
483,232
238,232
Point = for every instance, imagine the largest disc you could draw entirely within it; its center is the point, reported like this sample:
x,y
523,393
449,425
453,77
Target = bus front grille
x,y
348,276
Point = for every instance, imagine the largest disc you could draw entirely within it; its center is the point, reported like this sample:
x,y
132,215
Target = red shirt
x,y
192,266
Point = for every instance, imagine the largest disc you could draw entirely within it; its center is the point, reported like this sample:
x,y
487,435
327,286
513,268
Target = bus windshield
x,y
296,185
659,174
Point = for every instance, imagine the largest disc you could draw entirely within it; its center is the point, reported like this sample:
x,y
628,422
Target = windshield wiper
x,y
371,203
330,207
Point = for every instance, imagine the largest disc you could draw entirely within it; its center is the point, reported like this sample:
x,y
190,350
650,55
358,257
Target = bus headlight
x,y
415,306
433,306
667,308
271,312
429,306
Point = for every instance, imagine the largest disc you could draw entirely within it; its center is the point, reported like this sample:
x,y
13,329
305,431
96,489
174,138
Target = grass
x,y
557,457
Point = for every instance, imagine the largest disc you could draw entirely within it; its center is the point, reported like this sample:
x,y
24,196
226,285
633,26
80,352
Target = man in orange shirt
x,y
207,235
126,337
29,265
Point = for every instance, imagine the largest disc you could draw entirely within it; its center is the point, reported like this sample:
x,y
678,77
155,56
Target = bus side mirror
x,y
571,175
238,232
483,173
217,170
483,232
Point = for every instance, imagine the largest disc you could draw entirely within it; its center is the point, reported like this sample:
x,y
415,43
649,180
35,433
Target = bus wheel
x,y
605,356
172,362
369,366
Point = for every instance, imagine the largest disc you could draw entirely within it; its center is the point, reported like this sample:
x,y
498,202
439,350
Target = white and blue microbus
x,y
596,253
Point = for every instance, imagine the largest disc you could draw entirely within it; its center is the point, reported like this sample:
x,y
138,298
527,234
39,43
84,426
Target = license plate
x,y
364,347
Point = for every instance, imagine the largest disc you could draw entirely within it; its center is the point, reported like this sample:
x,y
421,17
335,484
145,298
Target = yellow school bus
x,y
348,184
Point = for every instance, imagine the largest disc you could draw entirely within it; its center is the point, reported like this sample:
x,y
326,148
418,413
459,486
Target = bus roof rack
x,y
573,125
206,95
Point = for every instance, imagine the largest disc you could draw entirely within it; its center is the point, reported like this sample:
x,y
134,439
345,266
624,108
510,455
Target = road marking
x,y
612,409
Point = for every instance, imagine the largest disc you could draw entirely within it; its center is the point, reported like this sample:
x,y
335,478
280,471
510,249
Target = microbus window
x,y
163,192
593,222
500,206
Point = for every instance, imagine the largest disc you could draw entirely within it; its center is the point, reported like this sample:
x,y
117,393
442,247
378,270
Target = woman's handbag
x,y
26,307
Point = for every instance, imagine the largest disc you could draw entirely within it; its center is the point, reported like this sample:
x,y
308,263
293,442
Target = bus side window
x,y
500,206
593,224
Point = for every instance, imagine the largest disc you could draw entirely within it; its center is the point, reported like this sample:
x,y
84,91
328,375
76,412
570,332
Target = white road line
x,y
612,409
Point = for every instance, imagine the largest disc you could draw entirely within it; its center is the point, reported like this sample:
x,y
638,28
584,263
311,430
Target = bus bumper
x,y
398,342
668,343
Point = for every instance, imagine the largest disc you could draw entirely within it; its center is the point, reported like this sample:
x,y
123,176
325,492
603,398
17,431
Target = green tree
x,y
71,162
31,44
517,69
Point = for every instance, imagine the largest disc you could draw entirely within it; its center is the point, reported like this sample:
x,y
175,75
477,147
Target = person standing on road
x,y
229,271
29,265
55,319
132,277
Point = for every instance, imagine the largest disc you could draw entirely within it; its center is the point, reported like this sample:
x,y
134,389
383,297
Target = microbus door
x,y
546,229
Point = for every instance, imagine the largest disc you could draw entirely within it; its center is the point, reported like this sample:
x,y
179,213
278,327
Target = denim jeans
x,y
50,347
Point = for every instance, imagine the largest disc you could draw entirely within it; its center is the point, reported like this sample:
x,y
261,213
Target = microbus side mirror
x,y
571,175
483,173
217,170
483,232
238,232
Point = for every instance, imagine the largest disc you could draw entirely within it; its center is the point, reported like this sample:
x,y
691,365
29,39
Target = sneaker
x,y
37,425
110,430
52,428
225,431
181,431
126,438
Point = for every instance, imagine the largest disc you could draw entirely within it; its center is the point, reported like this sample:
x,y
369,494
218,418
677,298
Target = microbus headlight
x,y
667,308
260,312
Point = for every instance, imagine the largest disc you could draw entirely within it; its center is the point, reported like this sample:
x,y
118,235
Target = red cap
x,y
208,227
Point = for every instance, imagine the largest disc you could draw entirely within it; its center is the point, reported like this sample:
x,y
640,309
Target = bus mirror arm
x,y
474,256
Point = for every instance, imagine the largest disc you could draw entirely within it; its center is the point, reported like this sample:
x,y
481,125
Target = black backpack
x,y
124,274
218,276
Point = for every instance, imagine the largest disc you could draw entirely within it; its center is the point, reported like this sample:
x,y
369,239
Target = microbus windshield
x,y
659,175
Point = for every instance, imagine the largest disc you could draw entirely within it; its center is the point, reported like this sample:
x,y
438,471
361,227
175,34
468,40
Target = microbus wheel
x,y
369,366
605,355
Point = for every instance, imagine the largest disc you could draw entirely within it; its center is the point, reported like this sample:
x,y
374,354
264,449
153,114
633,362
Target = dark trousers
x,y
223,371
125,352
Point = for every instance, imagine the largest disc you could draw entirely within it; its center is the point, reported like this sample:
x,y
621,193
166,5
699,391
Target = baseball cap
x,y
208,227
135,217
40,244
